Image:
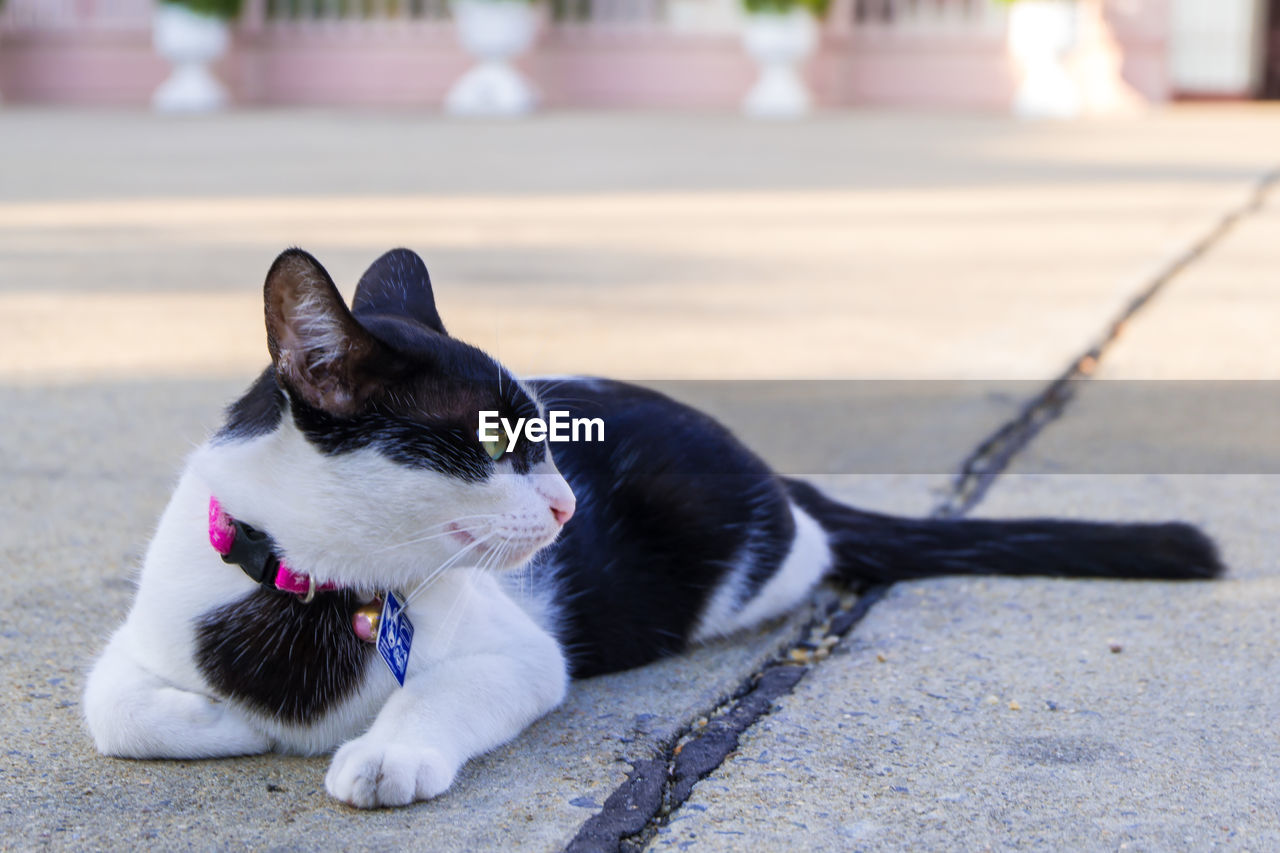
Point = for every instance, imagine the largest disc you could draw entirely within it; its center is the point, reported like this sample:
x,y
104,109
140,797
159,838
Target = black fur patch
x,y
439,447
427,416
398,283
289,660
424,423
426,427
256,413
668,505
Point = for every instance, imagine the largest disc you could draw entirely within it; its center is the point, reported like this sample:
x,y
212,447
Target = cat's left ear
x,y
398,284
318,348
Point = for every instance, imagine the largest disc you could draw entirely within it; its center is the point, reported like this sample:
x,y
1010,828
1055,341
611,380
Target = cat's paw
x,y
367,773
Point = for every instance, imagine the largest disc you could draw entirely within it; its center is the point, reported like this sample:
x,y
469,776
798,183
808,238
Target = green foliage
x,y
571,10
817,7
213,8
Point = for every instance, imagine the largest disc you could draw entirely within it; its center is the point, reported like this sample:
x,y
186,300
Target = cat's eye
x,y
495,448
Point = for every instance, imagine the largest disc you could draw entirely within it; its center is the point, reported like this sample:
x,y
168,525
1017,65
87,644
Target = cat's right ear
x,y
318,348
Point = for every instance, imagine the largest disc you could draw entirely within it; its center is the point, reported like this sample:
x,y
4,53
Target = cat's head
x,y
358,449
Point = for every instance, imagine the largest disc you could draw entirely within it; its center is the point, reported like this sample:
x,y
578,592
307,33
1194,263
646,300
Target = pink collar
x,y
255,553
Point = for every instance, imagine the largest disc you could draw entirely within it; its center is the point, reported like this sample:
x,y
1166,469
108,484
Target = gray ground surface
x,y
1058,714
659,247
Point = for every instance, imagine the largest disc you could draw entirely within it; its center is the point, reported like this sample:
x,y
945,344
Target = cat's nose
x,y
555,491
562,510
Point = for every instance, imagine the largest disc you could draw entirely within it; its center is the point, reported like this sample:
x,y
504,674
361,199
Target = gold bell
x,y
364,621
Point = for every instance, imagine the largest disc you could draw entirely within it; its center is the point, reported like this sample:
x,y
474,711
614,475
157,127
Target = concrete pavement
x,y
1056,714
661,247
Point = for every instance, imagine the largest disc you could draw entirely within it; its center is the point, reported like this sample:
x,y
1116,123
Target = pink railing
x,y
26,16
660,53
950,17
86,51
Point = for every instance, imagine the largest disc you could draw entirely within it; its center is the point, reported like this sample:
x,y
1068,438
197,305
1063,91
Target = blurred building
x,y
635,53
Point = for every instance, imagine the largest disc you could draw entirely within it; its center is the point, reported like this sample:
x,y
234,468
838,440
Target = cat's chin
x,y
515,555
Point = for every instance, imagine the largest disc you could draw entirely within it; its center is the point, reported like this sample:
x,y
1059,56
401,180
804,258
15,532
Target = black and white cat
x,y
354,460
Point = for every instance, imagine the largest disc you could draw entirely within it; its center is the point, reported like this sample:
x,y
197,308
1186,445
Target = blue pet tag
x,y
395,636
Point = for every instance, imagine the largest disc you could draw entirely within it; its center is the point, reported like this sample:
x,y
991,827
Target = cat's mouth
x,y
461,535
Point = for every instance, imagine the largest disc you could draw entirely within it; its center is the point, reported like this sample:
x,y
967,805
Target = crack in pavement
x,y
656,787
990,459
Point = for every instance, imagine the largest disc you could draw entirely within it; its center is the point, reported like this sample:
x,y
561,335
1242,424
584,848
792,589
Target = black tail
x,y
883,548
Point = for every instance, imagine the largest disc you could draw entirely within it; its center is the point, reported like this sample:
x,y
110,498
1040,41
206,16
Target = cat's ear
x,y
318,348
397,283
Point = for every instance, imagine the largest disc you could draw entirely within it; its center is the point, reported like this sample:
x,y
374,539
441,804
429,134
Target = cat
x,y
353,467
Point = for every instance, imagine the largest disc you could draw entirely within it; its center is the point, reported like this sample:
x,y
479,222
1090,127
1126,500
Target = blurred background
x,y
649,189
641,53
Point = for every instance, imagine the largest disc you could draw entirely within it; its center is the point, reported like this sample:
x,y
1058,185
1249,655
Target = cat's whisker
x,y
493,557
409,521
422,539
458,518
430,536
449,623
406,523
520,586
526,579
431,578
551,384
461,518
426,582
455,528
490,559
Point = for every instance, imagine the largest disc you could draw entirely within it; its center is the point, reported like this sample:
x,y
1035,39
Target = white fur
x,y
486,673
480,669
806,564
313,326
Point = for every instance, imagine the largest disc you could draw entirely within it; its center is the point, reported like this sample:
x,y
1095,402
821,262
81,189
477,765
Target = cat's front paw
x,y
368,773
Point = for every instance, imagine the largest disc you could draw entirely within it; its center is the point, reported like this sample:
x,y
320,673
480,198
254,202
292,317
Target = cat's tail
x,y
882,548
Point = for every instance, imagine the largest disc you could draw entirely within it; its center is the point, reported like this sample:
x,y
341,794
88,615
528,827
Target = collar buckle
x,y
311,590
254,552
